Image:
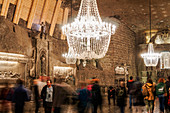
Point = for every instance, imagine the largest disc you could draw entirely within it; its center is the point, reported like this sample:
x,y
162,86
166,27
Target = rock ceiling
x,y
133,13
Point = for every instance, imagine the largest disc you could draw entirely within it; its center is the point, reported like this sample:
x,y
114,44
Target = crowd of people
x,y
88,97
144,95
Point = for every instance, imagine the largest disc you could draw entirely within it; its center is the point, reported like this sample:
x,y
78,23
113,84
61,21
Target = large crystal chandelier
x,y
70,56
150,58
88,35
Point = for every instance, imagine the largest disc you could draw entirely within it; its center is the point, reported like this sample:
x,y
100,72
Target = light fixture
x,y
150,58
12,57
88,35
8,62
165,60
11,54
58,67
163,37
70,56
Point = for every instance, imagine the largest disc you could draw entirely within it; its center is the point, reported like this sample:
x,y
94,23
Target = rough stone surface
x,y
14,42
11,12
22,23
121,50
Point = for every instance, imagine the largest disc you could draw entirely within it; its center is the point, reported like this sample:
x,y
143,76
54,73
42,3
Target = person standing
x,y
121,96
47,94
20,96
6,97
96,97
36,96
130,87
111,94
167,97
149,98
61,93
138,102
161,92
83,96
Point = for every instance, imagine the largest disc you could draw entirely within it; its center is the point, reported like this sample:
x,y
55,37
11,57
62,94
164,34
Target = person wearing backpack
x,y
161,92
148,94
121,96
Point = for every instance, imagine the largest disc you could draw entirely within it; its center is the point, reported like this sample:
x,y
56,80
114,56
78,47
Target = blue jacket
x,y
20,96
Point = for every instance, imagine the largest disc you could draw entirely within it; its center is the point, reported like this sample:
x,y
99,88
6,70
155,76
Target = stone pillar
x,y
55,16
32,13
44,12
5,6
65,19
18,11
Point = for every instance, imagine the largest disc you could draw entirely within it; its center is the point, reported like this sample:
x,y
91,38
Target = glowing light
x,y
150,58
8,62
88,35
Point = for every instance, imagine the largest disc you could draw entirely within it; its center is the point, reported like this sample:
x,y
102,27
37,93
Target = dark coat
x,y
96,94
138,99
20,96
121,100
111,93
44,94
130,86
60,96
36,93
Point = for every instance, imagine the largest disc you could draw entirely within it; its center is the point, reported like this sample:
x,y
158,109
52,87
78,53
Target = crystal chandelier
x,y
88,35
70,56
150,58
165,60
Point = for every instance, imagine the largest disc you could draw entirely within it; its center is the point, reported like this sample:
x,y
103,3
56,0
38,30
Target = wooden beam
x,y
18,11
45,10
55,16
5,6
65,19
32,13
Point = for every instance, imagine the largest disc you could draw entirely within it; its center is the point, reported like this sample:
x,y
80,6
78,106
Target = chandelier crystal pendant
x,y
150,58
88,35
70,56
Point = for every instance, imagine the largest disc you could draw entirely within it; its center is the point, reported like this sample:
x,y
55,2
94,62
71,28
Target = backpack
x,y
120,92
145,91
160,89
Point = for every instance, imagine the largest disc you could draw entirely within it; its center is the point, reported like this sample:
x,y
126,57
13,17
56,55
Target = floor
x,y
29,108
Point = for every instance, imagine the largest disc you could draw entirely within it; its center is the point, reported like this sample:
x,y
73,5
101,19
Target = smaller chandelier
x,y
150,58
70,56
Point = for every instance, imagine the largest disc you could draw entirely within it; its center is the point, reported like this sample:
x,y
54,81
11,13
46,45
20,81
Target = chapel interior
x,y
32,43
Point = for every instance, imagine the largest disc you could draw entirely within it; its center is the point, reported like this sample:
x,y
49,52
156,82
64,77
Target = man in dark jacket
x,y
47,94
111,94
96,97
36,96
138,101
167,97
19,97
121,96
130,87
